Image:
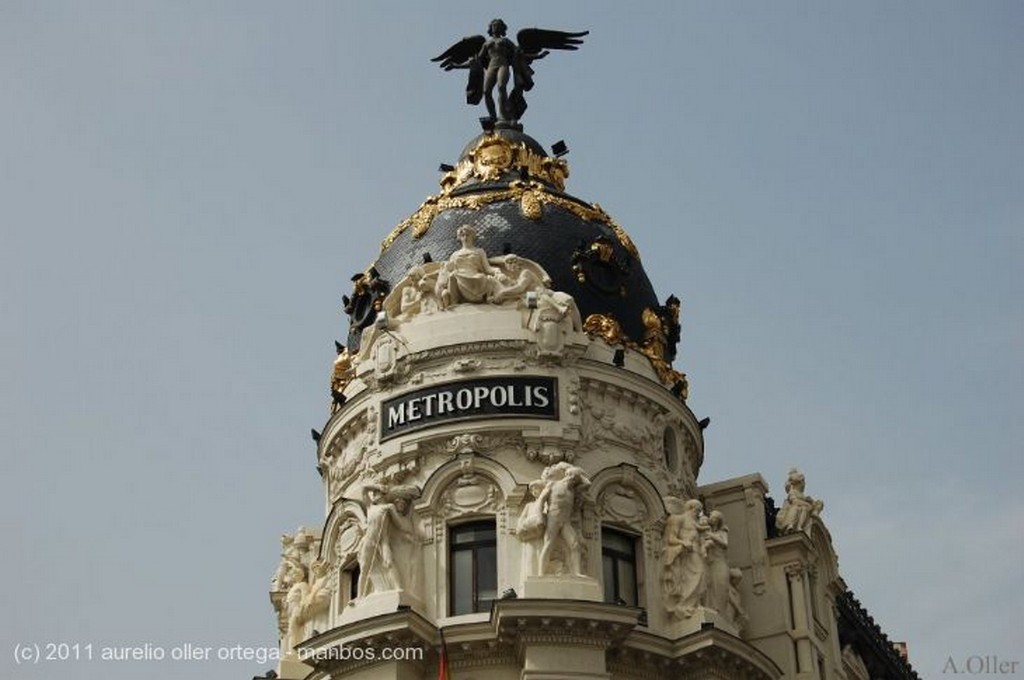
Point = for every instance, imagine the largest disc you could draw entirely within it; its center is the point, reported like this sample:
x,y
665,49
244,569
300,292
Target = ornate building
x,y
510,469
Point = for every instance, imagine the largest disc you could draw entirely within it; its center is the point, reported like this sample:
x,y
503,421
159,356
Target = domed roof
x,y
513,194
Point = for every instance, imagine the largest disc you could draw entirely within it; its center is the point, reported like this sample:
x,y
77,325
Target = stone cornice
x,y
708,653
860,630
400,629
735,484
563,622
514,625
795,547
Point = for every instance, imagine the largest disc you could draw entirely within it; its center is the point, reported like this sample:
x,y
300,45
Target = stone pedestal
x,y
702,617
376,604
562,588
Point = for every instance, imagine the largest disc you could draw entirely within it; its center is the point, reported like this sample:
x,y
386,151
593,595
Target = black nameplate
x,y
508,397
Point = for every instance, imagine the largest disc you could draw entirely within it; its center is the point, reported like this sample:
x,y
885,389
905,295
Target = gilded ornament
x,y
368,292
607,328
341,375
494,156
654,334
620,233
530,205
597,265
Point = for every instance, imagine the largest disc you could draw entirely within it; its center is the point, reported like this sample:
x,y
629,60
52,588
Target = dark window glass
x,y
618,567
353,582
473,567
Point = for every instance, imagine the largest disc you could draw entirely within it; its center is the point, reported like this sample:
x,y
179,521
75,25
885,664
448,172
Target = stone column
x,y
801,632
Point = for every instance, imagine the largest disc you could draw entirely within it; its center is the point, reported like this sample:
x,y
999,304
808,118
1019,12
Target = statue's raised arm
x,y
492,60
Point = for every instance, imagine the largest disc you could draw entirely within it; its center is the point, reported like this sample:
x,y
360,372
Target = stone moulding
x,y
348,452
709,653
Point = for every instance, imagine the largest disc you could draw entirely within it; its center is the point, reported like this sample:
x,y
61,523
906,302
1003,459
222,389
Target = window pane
x,y
486,577
473,567
618,542
608,574
462,582
473,533
627,581
353,581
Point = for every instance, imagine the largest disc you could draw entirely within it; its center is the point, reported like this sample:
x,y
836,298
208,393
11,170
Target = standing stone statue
x,y
559,494
716,543
492,60
306,599
388,527
734,612
684,569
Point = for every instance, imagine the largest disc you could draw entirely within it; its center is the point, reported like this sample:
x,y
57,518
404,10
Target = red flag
x,y
442,660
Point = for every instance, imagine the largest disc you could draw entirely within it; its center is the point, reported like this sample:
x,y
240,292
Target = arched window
x,y
472,567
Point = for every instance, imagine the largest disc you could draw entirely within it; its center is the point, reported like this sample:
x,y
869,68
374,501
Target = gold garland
x,y
607,328
532,195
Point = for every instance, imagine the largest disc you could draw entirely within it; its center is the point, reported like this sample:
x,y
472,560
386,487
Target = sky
x,y
835,190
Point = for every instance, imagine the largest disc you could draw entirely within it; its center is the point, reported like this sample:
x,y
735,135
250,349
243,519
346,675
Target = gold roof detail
x,y
533,196
494,156
607,328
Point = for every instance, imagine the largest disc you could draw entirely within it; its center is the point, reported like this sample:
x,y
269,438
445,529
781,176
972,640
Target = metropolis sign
x,y
506,397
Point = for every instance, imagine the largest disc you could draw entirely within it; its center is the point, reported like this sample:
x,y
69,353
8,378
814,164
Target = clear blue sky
x,y
835,190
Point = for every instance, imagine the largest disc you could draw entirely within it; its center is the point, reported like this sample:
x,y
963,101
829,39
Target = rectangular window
x,y
353,582
618,565
347,582
472,567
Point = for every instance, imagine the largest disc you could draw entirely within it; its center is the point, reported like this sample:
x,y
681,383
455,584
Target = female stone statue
x,y
716,543
467,276
684,572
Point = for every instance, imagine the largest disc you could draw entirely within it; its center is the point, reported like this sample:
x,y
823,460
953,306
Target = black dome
x,y
507,189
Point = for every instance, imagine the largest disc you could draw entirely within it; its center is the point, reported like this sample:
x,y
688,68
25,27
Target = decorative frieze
x,y
614,414
350,454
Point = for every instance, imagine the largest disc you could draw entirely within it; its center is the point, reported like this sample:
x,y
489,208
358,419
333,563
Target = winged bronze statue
x,y
493,59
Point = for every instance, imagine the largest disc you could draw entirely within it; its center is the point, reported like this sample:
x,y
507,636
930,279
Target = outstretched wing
x,y
533,42
459,54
